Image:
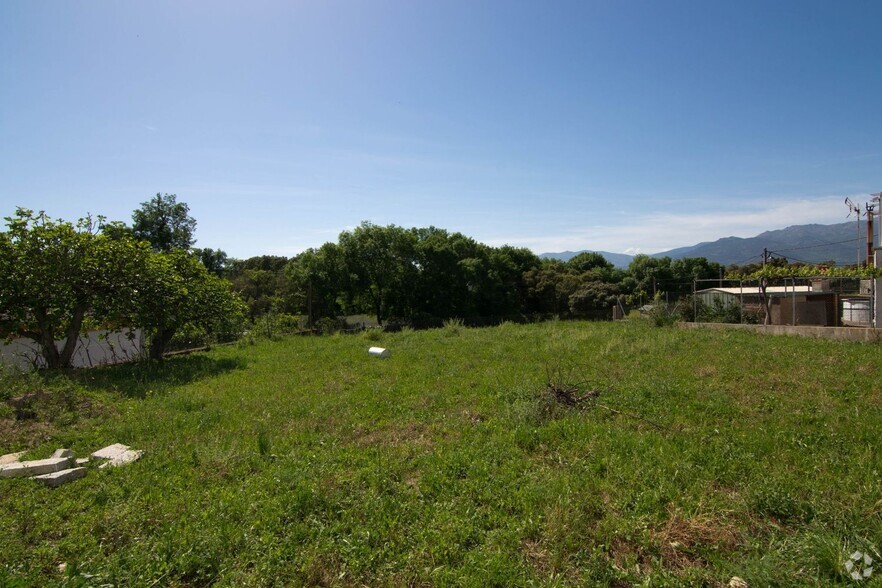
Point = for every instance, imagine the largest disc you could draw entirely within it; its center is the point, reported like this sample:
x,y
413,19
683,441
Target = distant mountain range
x,y
808,243
620,260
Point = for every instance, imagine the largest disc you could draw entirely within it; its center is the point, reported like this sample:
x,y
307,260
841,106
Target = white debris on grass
x,y
10,458
58,478
36,467
379,352
117,455
62,467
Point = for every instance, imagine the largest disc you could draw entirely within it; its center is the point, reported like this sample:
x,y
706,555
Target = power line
x,y
789,258
748,259
820,245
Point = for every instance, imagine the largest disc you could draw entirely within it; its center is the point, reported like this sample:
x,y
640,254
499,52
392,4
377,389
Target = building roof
x,y
754,290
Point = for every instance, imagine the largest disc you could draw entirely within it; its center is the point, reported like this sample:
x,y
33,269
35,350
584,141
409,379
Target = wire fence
x,y
815,301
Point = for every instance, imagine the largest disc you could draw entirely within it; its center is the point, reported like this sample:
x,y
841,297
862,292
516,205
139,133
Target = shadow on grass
x,y
137,380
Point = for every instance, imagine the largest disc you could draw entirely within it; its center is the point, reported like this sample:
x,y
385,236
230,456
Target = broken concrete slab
x,y
117,455
110,451
36,467
123,458
56,479
82,461
63,453
10,457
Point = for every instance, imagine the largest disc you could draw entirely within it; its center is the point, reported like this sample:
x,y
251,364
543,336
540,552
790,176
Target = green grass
x,y
308,462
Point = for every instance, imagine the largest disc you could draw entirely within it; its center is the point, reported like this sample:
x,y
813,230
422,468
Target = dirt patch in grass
x,y
536,555
35,418
410,433
683,540
18,435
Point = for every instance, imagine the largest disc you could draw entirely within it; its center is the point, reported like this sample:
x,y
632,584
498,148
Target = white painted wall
x,y
94,348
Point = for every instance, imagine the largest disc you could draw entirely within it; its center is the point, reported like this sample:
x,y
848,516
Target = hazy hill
x,y
808,243
617,259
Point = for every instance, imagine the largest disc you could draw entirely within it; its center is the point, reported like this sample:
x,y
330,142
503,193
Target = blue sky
x,y
623,126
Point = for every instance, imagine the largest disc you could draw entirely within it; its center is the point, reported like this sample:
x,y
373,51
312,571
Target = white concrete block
x,y
63,453
36,467
10,457
58,478
123,458
82,461
111,451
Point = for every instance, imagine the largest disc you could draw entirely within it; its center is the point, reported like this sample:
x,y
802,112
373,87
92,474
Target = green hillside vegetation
x,y
553,454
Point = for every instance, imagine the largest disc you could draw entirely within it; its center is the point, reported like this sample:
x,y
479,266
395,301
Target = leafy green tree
x,y
381,263
594,299
650,274
177,293
55,274
116,230
263,284
589,261
165,223
688,269
318,277
503,291
446,274
550,286
214,260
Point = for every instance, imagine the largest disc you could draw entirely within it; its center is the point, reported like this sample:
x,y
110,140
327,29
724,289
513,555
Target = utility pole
x,y
877,198
870,208
855,210
763,285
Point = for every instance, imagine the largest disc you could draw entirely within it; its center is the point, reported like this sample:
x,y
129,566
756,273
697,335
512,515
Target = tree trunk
x,y
45,337
378,309
764,283
73,336
159,342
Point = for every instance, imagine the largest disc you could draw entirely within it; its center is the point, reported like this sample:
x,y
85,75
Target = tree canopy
x,y
57,276
55,273
165,223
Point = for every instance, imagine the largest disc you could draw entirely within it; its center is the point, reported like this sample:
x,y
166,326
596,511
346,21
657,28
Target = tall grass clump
x,y
453,326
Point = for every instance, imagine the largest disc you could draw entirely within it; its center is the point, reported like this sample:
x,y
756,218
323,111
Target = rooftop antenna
x,y
855,210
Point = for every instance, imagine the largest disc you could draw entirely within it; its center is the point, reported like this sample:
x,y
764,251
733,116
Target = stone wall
x,y
837,333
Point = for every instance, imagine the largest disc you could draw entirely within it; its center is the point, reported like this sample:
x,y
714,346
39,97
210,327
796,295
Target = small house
x,y
789,305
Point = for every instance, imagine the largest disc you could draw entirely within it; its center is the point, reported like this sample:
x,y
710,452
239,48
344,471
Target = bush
x,y
329,325
719,312
275,324
661,314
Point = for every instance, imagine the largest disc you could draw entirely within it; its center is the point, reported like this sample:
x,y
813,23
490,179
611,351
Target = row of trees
x,y
425,275
59,278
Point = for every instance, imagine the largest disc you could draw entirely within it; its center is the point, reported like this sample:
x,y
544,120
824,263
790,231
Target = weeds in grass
x,y
453,326
372,335
263,442
661,315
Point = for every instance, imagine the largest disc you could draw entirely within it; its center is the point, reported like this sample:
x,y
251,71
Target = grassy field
x,y
703,456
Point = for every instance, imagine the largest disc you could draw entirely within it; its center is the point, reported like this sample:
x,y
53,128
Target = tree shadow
x,y
143,378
